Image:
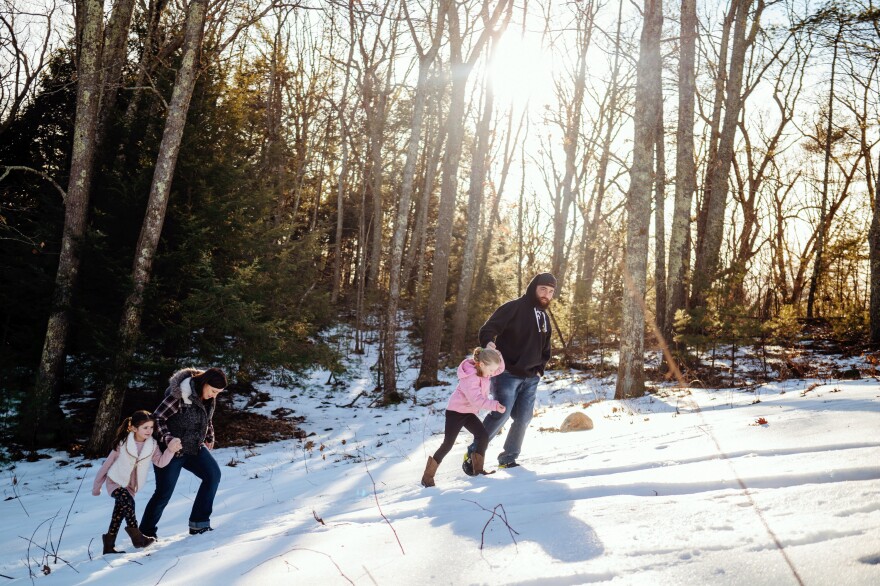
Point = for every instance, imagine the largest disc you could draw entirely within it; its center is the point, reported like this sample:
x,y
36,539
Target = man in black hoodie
x,y
520,330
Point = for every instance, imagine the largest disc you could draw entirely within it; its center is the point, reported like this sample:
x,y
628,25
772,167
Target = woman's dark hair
x,y
137,419
213,376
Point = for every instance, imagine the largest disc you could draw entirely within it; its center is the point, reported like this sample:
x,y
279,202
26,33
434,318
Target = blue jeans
x,y
204,466
517,394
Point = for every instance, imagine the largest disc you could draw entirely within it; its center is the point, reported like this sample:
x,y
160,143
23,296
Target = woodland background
x,y
220,182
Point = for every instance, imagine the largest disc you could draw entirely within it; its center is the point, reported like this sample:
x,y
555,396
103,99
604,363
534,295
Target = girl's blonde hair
x,y
487,356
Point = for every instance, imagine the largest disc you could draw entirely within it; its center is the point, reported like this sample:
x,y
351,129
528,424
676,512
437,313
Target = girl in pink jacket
x,y
125,471
471,395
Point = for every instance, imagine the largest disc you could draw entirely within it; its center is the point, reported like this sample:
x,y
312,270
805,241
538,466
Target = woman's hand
x,y
175,445
96,492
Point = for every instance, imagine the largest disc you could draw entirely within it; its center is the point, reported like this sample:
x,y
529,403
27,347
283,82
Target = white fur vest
x,y
129,459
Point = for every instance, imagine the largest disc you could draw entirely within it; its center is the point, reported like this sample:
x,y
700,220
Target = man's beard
x,y
543,303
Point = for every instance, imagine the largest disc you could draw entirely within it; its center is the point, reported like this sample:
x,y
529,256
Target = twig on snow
x,y
17,496
46,551
341,573
57,546
30,541
378,506
317,518
166,571
503,518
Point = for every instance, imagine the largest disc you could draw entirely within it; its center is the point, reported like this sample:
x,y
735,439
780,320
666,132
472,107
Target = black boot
x,y
110,543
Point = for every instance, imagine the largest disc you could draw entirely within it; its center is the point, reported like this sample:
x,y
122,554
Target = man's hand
x,y
210,445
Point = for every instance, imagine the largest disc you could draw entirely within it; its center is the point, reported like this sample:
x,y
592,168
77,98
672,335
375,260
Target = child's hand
x,y
175,444
501,408
492,346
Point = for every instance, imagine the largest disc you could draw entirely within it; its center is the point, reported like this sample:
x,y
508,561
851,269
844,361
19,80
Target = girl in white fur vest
x,y
125,470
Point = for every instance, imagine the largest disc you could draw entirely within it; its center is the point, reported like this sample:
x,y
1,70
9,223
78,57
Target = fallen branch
x,y
503,518
353,401
317,518
341,573
378,506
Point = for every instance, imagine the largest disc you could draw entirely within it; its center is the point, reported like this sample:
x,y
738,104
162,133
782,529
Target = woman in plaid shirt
x,y
185,414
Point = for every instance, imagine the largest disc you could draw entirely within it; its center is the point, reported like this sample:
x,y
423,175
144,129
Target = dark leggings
x,y
124,509
454,422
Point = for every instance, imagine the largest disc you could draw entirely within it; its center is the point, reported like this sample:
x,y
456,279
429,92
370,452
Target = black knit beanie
x,y
546,279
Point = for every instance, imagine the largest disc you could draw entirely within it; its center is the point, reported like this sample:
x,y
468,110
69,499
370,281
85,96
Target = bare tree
x,y
566,189
476,190
154,218
25,48
426,62
115,51
631,367
685,170
710,226
461,67
88,94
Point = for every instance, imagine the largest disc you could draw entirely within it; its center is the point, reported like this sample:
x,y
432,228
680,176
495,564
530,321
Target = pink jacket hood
x,y
472,392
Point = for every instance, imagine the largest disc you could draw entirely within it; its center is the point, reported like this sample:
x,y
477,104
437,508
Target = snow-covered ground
x,y
679,487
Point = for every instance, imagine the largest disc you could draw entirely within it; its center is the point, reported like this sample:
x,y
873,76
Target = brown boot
x,y
110,543
430,471
138,539
477,460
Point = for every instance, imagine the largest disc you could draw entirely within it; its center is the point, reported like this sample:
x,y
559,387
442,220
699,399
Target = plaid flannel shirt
x,y
169,406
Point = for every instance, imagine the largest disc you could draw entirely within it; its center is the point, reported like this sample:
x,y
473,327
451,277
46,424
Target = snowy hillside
x,y
683,487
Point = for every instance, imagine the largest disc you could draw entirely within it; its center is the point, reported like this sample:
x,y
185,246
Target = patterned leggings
x,y
124,508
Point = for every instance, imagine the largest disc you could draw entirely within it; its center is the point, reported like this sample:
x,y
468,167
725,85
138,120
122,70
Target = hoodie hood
x,y
532,289
180,385
466,368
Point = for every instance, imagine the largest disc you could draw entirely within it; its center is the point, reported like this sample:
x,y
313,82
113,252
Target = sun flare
x,y
521,70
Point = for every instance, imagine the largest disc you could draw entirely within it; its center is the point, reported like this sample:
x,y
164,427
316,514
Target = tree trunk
x,y
660,217
511,141
439,279
829,133
476,191
571,137
711,228
874,255
76,204
389,367
343,175
685,171
631,368
592,226
115,49
145,251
